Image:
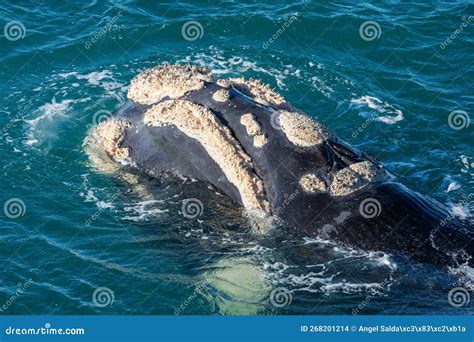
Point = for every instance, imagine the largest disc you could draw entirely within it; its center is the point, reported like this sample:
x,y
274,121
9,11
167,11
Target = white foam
x,y
453,186
321,86
50,110
95,77
67,74
215,60
351,287
317,76
467,167
317,65
104,79
326,276
90,196
41,125
465,161
460,210
381,111
143,211
465,275
382,259
31,141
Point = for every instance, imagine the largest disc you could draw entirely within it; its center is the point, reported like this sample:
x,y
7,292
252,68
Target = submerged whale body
x,y
266,155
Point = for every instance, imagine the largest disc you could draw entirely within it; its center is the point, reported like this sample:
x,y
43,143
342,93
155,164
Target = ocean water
x,y
80,235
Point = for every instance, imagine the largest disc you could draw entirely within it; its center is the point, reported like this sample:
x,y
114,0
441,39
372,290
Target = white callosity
x,y
311,183
221,95
173,81
354,177
110,134
301,130
201,124
258,91
253,129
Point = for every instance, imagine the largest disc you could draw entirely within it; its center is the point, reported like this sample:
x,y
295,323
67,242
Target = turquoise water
x,y
91,238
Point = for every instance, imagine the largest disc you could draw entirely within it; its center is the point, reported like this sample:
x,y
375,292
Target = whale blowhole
x,y
255,89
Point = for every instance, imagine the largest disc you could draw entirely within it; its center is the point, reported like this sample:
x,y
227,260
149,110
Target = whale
x,y
279,164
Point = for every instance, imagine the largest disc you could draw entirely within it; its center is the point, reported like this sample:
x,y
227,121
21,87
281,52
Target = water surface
x,y
89,227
